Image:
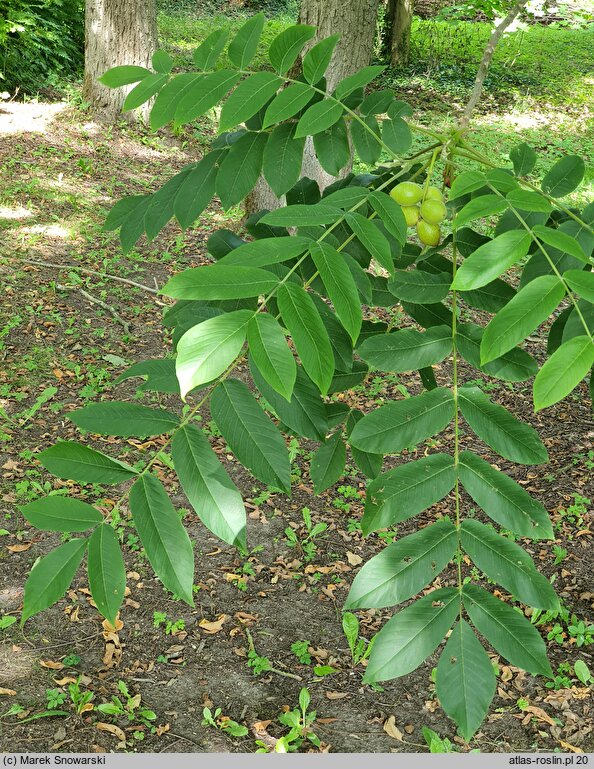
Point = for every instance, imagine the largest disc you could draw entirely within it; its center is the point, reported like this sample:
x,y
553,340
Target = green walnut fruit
x,y
433,211
433,193
407,193
428,233
411,214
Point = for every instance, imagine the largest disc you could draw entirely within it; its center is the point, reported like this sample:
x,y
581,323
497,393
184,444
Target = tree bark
x,y
355,21
116,32
399,14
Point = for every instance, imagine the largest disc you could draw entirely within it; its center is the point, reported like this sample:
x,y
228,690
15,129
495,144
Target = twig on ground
x,y
91,272
94,300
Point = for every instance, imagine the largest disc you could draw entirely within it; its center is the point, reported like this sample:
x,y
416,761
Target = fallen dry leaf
x,y
354,560
112,729
540,714
51,664
160,730
19,548
391,729
572,748
336,695
7,692
64,681
213,627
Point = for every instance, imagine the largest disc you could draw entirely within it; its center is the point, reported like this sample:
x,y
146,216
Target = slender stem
x,y
456,414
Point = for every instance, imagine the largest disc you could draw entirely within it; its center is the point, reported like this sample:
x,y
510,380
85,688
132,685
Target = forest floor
x,y
65,336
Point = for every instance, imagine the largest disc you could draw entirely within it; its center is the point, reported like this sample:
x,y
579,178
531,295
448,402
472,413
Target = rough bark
x,y
355,21
399,14
116,32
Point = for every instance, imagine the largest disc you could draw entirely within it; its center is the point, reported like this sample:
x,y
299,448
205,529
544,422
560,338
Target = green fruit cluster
x,y
423,208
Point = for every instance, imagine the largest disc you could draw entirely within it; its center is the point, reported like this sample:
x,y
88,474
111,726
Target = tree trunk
x,y
116,32
355,21
399,14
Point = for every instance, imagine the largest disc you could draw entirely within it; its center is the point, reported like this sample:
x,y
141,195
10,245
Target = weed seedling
x,y
128,706
306,544
360,648
81,701
300,720
171,626
223,723
300,650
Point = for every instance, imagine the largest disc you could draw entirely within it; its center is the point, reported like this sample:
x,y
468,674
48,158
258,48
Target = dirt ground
x,y
66,338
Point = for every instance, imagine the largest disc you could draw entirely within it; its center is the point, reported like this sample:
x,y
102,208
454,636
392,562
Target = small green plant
x,y
128,706
360,647
300,721
437,744
171,627
81,700
301,650
6,621
223,723
55,698
582,673
257,663
71,660
560,554
307,543
562,679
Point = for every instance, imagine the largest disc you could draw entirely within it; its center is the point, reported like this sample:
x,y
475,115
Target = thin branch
x,y
94,300
486,62
39,263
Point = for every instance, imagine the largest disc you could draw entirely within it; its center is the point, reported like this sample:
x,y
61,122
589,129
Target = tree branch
x,y
483,69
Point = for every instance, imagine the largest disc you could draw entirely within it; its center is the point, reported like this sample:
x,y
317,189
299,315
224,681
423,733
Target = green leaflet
x,y
203,94
492,259
560,240
508,565
327,465
408,349
373,240
50,578
503,499
319,117
420,286
124,75
248,98
500,430
465,681
365,137
210,491
271,354
508,631
299,215
479,208
283,156
563,371
163,536
340,286
309,335
240,169
197,190
404,568
253,437
564,176
219,281
317,59
266,251
305,414
71,460
523,158
107,573
123,419
163,110
401,424
581,282
142,92
406,490
285,48
206,350
208,52
333,151
514,366
59,513
391,215
530,307
242,48
412,635
287,103
369,464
